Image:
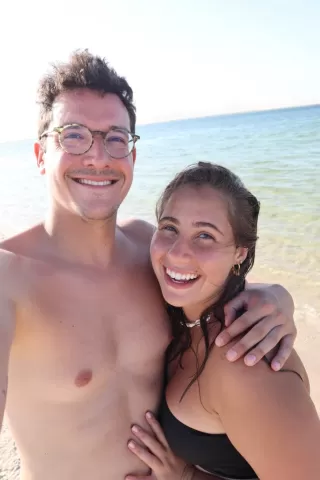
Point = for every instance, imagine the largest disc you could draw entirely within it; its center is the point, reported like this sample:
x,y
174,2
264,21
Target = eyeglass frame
x,y
60,129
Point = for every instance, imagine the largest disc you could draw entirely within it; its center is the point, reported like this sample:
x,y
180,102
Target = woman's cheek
x,y
157,250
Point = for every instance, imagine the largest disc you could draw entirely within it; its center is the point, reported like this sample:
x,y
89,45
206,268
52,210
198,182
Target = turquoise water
x,y
276,153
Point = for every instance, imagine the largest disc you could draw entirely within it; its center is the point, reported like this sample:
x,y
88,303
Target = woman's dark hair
x,y
243,211
83,70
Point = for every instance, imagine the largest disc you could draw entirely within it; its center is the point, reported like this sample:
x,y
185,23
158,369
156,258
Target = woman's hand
x,y
157,455
266,324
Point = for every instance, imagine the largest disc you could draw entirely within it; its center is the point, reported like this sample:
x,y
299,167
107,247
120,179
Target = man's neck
x,y
79,240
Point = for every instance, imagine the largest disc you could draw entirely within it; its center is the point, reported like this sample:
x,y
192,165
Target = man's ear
x,y
134,155
39,153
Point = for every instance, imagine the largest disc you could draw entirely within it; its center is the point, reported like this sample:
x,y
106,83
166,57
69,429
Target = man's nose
x,y
97,156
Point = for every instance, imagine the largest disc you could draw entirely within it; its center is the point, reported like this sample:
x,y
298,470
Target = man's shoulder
x,y
140,231
19,244
7,259
9,253
9,270
16,257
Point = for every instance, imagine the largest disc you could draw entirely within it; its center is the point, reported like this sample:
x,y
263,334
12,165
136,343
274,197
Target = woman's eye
x,y
168,228
206,236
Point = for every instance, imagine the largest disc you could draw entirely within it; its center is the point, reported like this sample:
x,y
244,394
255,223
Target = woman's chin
x,y
174,304
173,300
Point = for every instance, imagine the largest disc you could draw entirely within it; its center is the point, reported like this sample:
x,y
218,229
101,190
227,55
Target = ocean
x,y
277,155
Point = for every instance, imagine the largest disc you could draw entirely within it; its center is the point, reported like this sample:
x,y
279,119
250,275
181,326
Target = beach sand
x,y
307,318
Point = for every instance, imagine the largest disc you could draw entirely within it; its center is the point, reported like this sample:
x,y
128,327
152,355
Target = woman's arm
x,y
270,419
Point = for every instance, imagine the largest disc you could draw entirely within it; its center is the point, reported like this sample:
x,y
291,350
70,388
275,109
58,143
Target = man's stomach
x,y
79,441
104,463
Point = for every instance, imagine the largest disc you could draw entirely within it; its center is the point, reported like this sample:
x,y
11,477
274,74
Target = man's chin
x,y
97,216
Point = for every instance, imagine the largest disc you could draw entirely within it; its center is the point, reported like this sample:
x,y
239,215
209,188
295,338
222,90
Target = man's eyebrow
x,y
110,127
118,127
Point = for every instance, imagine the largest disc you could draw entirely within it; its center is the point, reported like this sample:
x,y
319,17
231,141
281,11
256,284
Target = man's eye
x,y
71,136
117,139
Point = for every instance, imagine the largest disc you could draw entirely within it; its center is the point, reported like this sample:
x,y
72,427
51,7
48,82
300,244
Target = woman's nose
x,y
180,252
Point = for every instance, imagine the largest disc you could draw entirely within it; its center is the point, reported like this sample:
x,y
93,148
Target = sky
x,y
183,58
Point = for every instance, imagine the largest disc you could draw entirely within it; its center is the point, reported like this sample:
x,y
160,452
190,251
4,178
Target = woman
x,y
219,420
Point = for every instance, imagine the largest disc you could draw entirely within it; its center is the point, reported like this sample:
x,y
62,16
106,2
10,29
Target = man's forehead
x,y
89,107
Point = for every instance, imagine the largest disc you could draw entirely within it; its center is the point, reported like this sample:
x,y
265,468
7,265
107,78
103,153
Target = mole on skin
x,y
83,378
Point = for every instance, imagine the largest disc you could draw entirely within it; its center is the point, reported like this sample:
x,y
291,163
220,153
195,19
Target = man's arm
x,y
7,321
7,313
266,327
284,298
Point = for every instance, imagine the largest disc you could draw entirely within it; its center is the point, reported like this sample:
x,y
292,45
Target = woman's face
x,y
193,249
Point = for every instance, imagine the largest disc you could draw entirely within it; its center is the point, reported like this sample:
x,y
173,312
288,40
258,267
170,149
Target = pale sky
x,y
183,58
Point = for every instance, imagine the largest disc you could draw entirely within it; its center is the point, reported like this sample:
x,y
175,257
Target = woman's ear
x,y
241,255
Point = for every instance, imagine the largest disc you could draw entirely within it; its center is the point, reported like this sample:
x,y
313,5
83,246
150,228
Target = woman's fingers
x,y
152,443
156,428
146,456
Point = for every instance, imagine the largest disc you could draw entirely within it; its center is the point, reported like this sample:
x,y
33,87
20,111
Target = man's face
x,y
91,185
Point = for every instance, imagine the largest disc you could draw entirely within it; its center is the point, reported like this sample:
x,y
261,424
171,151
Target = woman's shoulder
x,y
268,416
223,377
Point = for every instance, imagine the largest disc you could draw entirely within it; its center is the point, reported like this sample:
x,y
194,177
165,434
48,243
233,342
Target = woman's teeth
x,y
182,277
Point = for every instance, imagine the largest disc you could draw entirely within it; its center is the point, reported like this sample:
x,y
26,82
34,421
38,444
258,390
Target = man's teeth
x,y
180,276
94,182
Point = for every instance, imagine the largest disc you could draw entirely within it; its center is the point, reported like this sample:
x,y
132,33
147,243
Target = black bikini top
x,y
214,453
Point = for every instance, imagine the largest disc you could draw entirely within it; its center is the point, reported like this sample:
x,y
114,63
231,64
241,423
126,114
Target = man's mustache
x,y
89,172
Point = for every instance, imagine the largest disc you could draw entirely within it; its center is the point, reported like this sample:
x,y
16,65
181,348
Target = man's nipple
x,y
83,378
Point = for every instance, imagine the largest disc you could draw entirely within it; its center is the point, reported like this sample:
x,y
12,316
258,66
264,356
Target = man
x,y
83,325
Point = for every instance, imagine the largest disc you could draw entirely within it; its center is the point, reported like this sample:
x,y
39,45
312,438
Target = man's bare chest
x,y
76,331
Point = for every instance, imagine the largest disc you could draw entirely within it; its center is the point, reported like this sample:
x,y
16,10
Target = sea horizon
x,y
185,119
230,114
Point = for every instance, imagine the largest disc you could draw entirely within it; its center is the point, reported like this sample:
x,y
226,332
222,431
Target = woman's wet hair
x,y
243,212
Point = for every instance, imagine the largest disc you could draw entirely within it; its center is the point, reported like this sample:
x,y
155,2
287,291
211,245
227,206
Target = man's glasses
x,y
77,139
